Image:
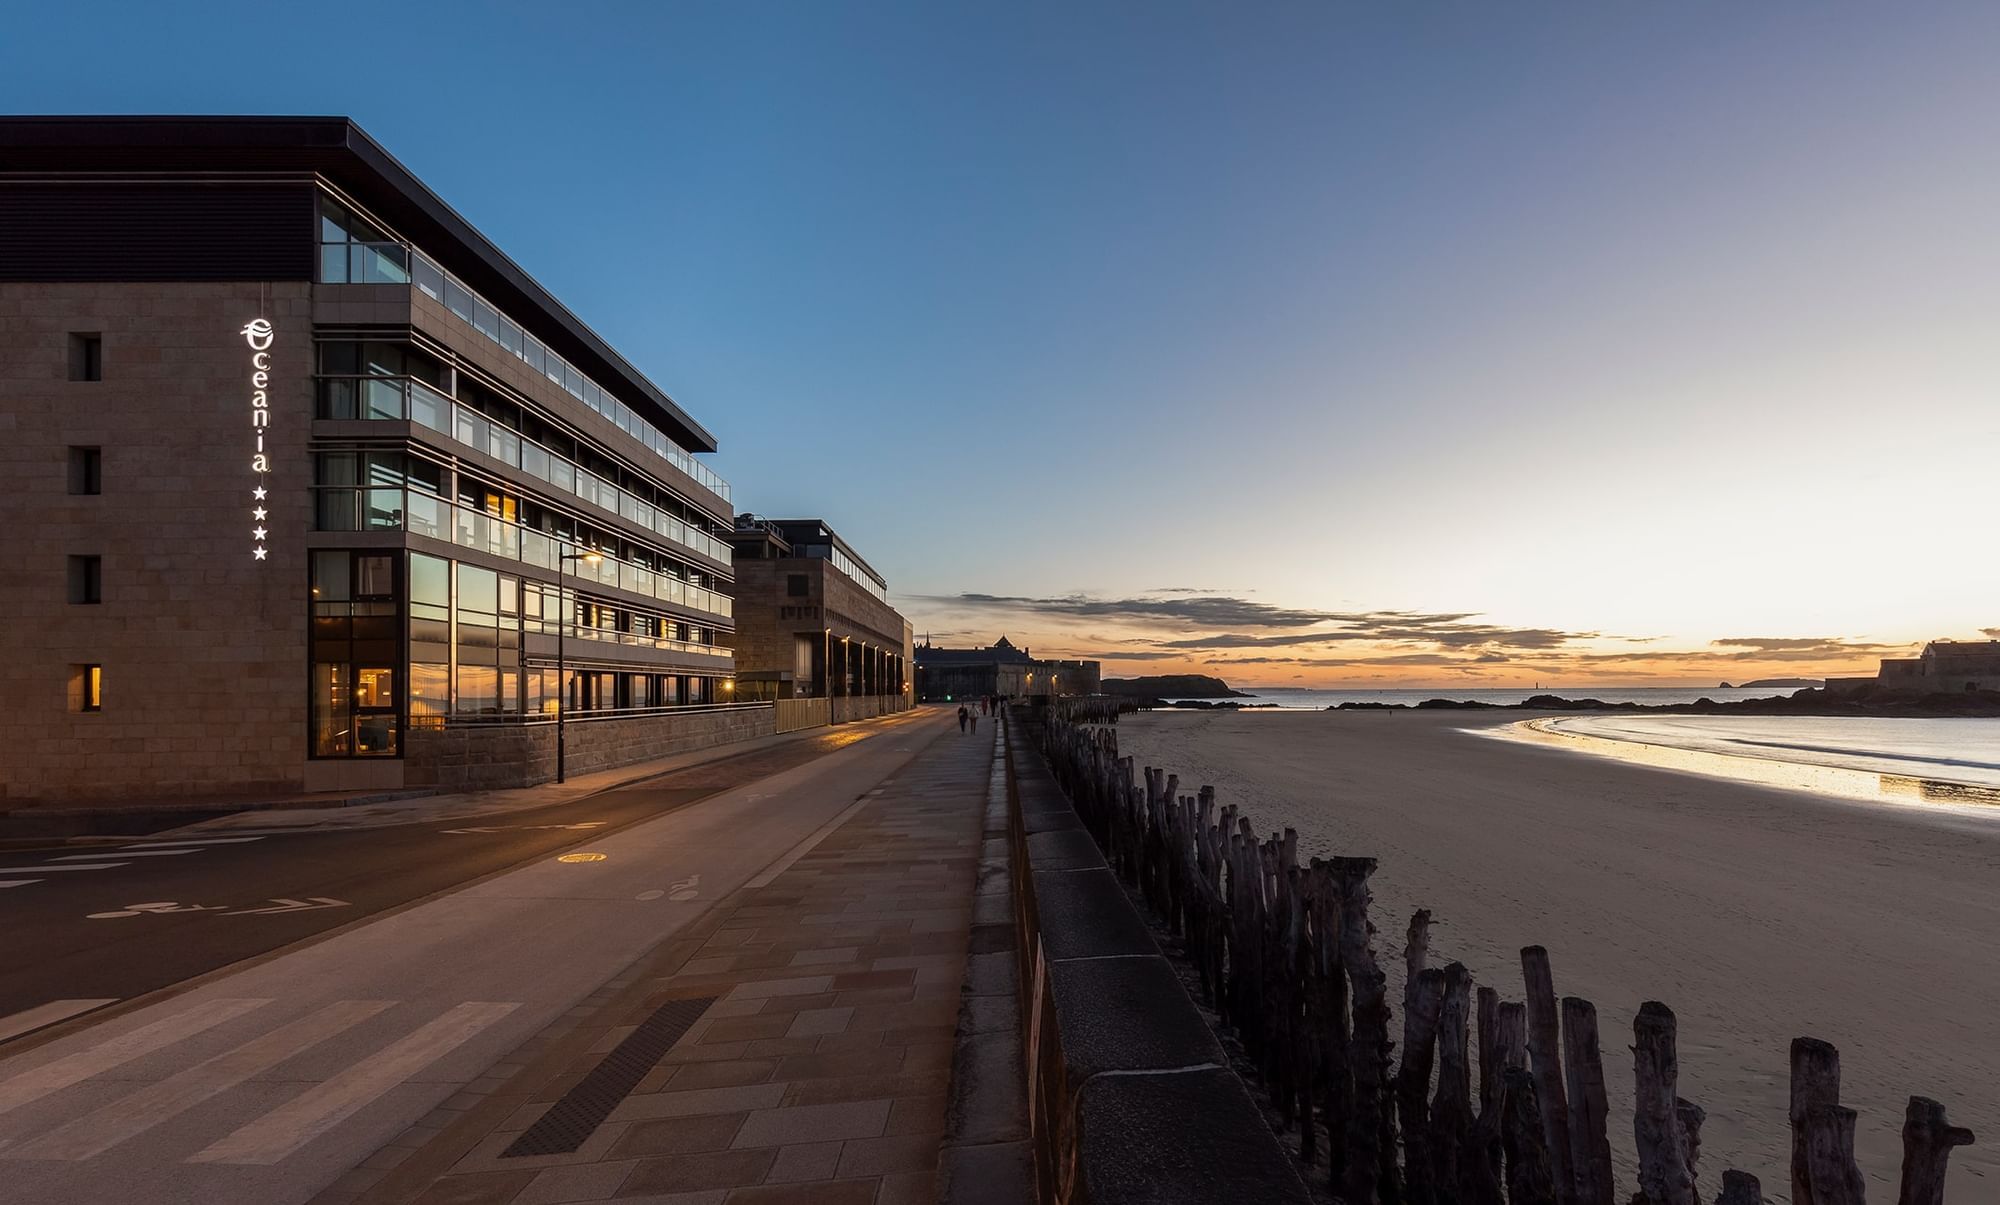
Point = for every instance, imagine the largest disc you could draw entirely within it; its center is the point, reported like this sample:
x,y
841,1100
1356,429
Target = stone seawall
x,y
491,757
1133,1099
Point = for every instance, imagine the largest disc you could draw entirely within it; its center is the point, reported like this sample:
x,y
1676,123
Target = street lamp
x,y
562,666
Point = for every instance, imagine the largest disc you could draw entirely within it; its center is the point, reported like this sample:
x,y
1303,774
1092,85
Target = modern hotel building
x,y
305,485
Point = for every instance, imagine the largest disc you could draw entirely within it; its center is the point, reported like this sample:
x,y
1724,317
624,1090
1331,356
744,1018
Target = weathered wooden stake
x,y
1451,1107
1927,1143
1815,1085
1545,1062
1370,1160
1664,1176
1830,1167
1740,1188
1489,1063
1413,1082
1530,1179
1583,1065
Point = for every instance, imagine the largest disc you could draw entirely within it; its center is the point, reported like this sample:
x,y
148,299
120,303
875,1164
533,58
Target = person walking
x,y
975,723
963,716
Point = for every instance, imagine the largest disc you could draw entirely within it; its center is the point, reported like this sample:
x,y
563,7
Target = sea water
x,y
1942,749
1317,700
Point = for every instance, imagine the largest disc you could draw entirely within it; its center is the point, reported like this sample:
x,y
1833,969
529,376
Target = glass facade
x,y
353,251
356,654
403,638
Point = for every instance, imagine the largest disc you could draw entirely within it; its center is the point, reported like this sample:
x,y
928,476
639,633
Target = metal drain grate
x,y
583,1108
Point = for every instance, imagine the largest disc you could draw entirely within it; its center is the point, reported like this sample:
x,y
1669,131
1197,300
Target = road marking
x,y
47,1014
654,894
128,1117
305,1117
192,841
46,867
17,882
30,1086
157,908
526,828
284,905
686,889
126,853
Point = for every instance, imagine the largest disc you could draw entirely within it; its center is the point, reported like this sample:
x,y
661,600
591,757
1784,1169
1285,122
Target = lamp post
x,y
562,664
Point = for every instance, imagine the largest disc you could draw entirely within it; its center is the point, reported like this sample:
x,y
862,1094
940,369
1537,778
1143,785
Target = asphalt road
x,y
270,1080
92,923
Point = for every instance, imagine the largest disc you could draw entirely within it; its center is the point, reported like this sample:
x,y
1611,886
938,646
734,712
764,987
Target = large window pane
x,y
430,689
478,690
430,580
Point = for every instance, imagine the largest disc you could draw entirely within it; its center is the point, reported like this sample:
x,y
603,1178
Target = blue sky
x,y
1617,330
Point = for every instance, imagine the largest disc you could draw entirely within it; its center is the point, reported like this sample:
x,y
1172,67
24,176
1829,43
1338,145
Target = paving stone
x,y
878,1156
814,1123
713,1169
805,1161
819,1022
698,1102
679,1135
581,1182
827,1192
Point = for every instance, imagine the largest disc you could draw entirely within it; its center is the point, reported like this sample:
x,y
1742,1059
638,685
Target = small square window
x,y
87,687
86,356
86,579
796,586
86,471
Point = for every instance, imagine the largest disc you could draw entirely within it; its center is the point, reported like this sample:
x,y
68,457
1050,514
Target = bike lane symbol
x,y
160,908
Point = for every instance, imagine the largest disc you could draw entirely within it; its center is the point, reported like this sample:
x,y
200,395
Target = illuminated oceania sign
x,y
258,334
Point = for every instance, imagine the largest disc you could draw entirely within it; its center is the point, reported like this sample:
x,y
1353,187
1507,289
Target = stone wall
x,y
203,646
1133,1098
477,757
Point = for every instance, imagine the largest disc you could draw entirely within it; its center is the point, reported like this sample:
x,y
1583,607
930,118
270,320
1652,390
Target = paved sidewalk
x,y
827,991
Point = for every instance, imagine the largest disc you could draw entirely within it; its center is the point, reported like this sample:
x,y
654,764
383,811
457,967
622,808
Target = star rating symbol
x,y
259,533
257,514
258,553
258,493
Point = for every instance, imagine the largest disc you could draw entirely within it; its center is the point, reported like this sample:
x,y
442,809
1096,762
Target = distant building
x,y
1002,669
1944,665
813,619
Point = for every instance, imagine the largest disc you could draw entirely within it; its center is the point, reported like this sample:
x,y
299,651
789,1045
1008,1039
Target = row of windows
x,y
388,381
354,251
352,485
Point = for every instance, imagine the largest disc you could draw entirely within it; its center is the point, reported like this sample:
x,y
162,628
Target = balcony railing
x,y
409,398
397,263
396,508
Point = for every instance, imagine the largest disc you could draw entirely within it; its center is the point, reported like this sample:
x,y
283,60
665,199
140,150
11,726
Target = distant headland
x,y
1172,686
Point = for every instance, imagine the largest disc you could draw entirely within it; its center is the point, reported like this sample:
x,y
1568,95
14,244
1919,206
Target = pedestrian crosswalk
x,y
54,1109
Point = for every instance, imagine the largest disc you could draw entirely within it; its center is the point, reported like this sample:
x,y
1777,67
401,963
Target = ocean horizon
x,y
1303,699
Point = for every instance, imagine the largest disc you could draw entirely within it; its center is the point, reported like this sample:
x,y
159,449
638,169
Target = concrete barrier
x,y
1130,1096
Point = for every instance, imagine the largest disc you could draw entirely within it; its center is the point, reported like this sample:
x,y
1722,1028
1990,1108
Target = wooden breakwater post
x,y
1285,955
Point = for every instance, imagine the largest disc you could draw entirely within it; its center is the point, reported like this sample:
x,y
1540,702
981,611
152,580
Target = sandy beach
x,y
1757,914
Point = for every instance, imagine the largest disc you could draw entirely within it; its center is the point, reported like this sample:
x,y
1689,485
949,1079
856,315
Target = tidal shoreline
x,y
1758,914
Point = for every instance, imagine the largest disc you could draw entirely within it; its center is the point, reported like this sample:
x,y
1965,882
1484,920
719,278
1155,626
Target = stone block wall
x,y
203,646
1134,1100
499,756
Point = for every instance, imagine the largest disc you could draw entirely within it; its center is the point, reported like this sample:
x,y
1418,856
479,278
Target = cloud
x,y
1199,610
1779,644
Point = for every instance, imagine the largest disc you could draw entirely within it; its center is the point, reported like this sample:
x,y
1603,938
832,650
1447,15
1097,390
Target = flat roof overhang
x,y
342,152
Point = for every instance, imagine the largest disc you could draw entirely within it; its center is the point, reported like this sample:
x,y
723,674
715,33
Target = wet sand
x,y
1757,914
